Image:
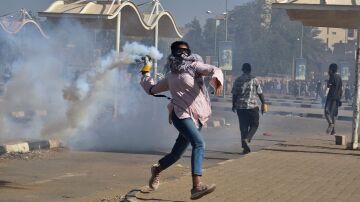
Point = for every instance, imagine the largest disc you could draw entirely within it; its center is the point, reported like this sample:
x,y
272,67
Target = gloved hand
x,y
233,109
147,61
264,108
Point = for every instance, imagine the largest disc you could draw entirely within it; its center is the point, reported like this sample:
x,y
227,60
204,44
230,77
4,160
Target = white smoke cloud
x,y
80,111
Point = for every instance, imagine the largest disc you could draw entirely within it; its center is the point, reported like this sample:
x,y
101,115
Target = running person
x,y
189,110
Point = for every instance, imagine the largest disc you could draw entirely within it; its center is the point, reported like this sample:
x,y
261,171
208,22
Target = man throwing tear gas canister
x,y
245,91
189,109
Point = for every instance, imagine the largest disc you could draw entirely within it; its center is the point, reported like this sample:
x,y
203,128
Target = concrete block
x,y
340,140
53,143
216,124
21,147
37,145
221,120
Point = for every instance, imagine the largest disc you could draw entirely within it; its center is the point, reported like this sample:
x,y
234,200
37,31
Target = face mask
x,y
181,52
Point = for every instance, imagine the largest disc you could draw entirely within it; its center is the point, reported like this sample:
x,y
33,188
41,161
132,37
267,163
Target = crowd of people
x,y
314,88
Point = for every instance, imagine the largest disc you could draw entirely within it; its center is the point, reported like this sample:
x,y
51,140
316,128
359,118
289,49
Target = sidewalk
x,y
299,170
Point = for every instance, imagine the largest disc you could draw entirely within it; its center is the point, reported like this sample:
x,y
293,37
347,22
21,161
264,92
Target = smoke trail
x,y
96,96
43,101
132,52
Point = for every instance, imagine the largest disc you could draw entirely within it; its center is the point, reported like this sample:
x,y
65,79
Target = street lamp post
x,y
117,46
226,20
118,29
226,39
302,39
217,18
156,37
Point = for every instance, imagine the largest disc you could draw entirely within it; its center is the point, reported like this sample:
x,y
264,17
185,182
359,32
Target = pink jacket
x,y
188,101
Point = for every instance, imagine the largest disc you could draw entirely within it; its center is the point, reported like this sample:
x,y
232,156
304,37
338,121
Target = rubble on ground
x,y
32,155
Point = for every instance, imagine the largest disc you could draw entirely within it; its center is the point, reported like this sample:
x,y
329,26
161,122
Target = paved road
x,y
299,170
288,109
92,176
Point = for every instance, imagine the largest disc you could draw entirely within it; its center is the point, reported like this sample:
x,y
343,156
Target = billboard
x,y
300,69
345,71
225,55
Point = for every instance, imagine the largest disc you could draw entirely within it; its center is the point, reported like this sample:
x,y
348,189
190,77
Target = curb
x,y
24,147
283,113
294,103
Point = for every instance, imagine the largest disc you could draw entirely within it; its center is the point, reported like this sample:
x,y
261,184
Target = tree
x,y
270,51
194,37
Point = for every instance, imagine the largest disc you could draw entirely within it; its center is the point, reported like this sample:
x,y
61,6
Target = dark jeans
x,y
249,123
189,134
331,111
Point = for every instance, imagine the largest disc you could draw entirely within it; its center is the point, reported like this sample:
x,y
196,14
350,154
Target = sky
x,y
183,10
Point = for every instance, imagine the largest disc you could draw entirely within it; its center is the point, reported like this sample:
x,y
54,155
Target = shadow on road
x,y
267,140
133,195
155,199
8,185
312,151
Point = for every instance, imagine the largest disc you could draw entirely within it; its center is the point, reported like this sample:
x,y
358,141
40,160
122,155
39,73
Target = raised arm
x,y
217,77
150,87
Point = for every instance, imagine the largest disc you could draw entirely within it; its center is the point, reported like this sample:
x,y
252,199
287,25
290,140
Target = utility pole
x,y
226,20
301,42
118,29
215,42
156,38
118,35
226,39
355,123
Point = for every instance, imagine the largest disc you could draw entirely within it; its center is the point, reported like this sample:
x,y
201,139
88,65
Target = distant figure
x,y
347,93
7,74
319,92
245,91
323,93
334,94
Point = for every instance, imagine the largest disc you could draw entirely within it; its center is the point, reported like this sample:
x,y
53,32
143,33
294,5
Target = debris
x,y
32,155
267,134
179,165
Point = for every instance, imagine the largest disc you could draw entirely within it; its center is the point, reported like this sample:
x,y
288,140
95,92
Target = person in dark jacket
x,y
333,98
